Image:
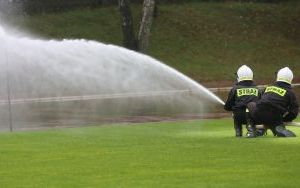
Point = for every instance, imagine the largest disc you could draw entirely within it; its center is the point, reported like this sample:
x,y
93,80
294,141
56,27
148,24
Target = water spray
x,y
8,93
76,71
95,97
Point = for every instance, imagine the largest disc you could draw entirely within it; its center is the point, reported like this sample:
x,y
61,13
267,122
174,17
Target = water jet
x,y
66,81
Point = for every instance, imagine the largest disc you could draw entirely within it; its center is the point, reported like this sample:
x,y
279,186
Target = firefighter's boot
x,y
281,131
238,130
251,131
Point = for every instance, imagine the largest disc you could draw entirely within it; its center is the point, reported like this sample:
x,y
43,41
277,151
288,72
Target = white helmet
x,y
244,73
285,75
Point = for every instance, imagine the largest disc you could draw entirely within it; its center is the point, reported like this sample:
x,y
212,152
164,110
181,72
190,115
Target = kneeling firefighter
x,y
277,105
243,92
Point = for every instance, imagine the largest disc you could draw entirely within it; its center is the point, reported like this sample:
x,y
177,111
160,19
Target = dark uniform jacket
x,y
240,95
280,97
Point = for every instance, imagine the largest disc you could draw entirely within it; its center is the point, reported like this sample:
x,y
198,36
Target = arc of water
x,y
191,84
199,87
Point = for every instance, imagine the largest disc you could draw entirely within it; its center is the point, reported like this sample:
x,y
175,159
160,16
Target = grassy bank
x,y
179,154
206,41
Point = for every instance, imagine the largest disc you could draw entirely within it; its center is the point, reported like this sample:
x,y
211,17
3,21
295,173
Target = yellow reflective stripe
x,y
247,91
276,90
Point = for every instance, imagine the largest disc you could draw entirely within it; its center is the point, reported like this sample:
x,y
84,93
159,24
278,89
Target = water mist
x,y
72,82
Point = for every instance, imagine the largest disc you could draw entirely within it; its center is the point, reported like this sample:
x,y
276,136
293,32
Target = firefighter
x,y
243,92
277,105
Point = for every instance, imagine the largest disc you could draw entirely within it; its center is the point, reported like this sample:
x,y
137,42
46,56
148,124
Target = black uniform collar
x,y
283,84
246,83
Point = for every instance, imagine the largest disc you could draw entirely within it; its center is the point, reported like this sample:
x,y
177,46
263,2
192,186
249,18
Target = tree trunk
x,y
144,32
129,40
155,13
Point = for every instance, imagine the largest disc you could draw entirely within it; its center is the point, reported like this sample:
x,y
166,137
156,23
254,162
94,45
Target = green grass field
x,y
206,41
174,154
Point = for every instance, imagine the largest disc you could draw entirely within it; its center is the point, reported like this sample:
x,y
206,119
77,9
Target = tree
x,y
155,13
129,39
140,43
144,32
